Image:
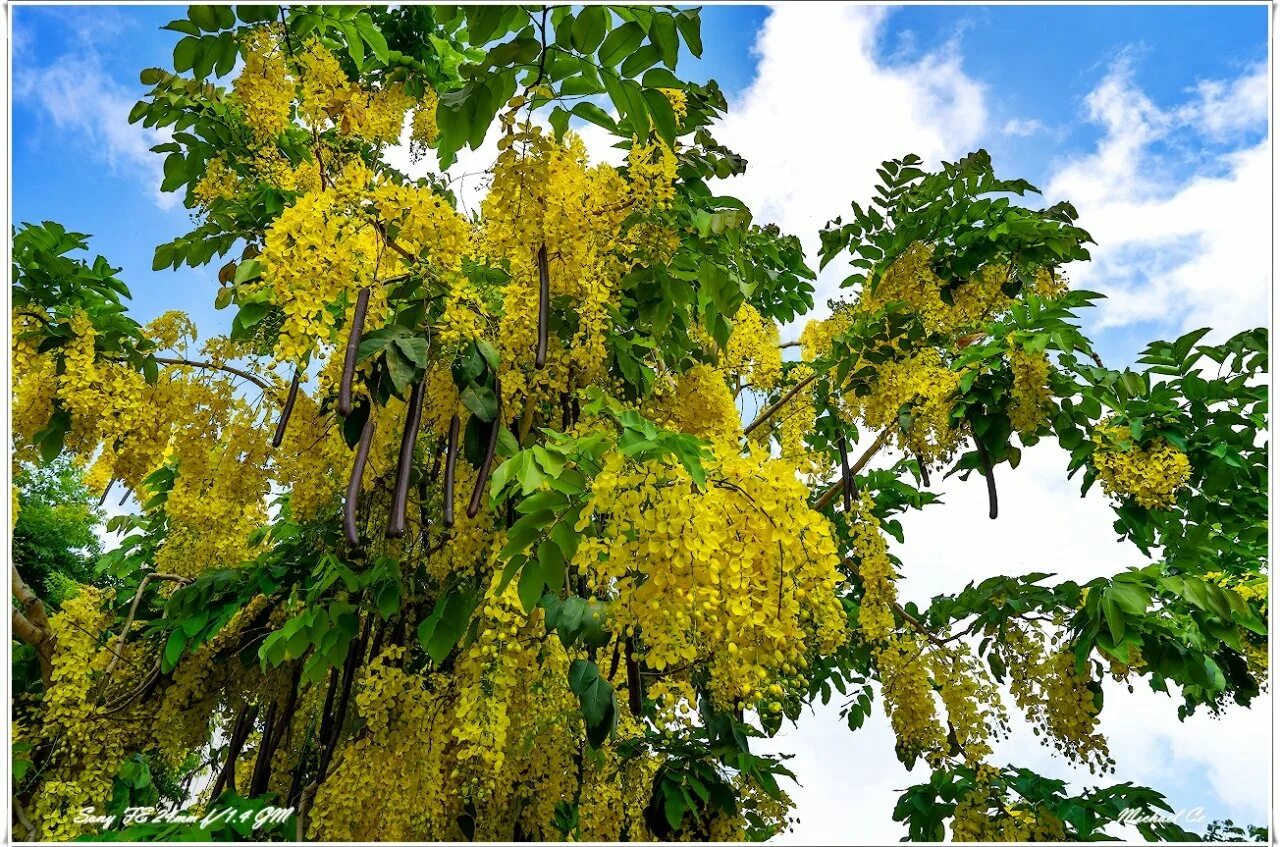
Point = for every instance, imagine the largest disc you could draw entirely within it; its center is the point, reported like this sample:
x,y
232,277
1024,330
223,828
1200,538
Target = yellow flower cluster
x,y
752,354
547,196
220,182
198,683
910,279
500,736
975,712
738,578
1031,398
875,569
908,696
928,388
328,245
795,422
378,115
699,403
271,166
1055,696
975,820
424,132
651,173
679,102
1151,475
465,318
171,329
263,87
817,335
86,743
322,84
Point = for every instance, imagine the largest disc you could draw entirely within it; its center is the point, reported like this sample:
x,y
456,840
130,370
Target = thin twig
x,y
772,410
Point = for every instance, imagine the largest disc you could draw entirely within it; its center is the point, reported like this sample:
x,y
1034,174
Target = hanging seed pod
x,y
350,507
287,411
482,480
450,466
987,471
924,471
400,497
544,306
353,348
845,476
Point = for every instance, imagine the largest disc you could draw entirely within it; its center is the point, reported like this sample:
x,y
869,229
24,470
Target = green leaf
x,y
662,33
689,23
596,697
173,650
205,17
592,113
589,29
664,119
1115,619
661,78
415,349
559,120
402,371
530,587
551,564
373,37
481,400
355,44
620,43
639,61
185,53
441,630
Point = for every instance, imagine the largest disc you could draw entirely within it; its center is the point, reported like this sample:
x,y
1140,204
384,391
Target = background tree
x,y
55,543
460,532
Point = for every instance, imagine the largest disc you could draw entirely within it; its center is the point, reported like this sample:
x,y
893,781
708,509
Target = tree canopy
x,y
462,533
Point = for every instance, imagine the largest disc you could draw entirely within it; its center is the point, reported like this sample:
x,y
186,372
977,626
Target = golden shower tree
x,y
462,532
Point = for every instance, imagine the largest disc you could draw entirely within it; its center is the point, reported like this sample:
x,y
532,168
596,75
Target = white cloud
x,y
1226,108
824,111
87,107
1186,252
1023,127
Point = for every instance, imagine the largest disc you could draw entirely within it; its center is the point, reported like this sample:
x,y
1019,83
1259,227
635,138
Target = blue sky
x,y
1152,119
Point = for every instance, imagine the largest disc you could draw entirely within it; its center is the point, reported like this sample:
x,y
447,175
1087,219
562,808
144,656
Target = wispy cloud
x,y
1023,127
1179,247
85,106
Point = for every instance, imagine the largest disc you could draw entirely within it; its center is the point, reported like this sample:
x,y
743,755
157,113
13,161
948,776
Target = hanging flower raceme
x,y
1151,475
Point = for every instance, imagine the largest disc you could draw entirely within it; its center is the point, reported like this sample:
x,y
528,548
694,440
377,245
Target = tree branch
x,y
214,366
40,640
133,610
773,410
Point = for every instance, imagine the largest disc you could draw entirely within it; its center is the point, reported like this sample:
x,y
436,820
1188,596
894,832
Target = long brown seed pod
x,y
451,465
400,497
544,306
482,480
353,348
350,509
924,471
287,411
845,476
262,762
987,470
111,482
